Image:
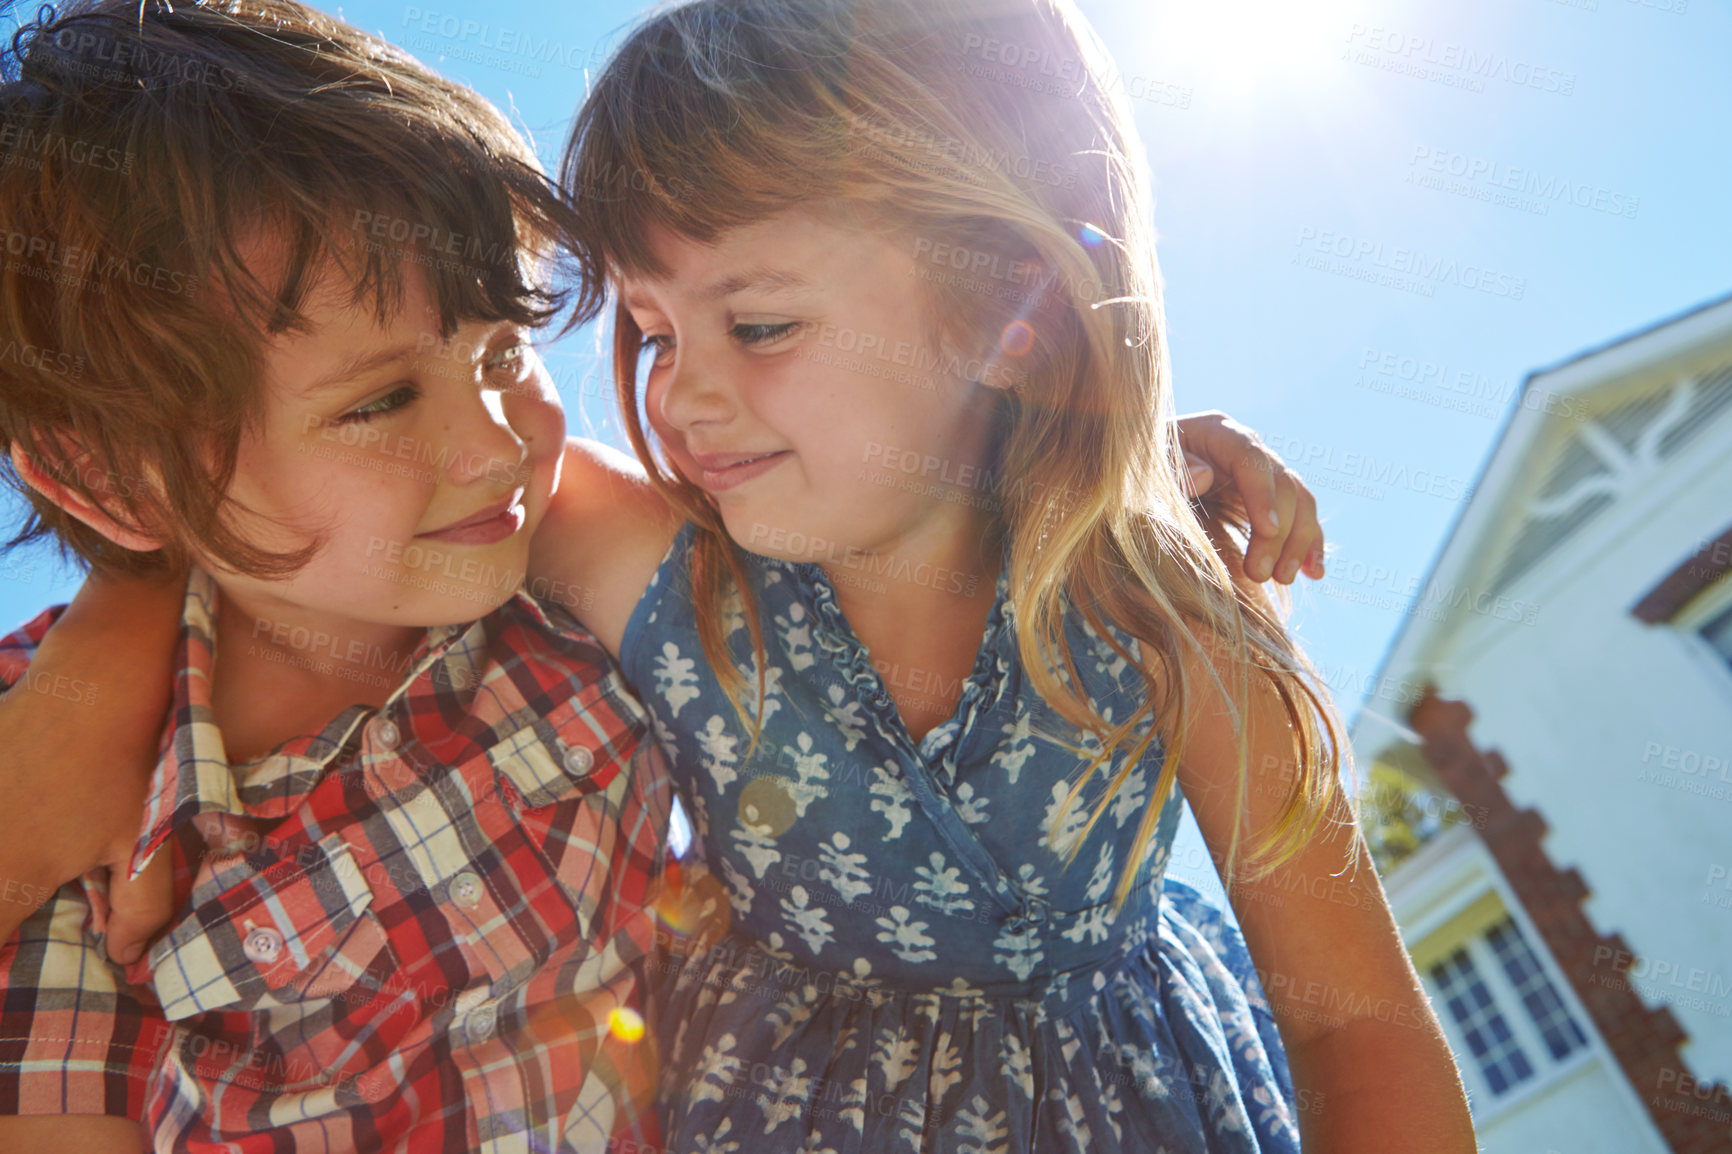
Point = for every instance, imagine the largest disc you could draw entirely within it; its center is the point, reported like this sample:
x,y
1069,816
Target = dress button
x,y
385,734
480,1025
579,760
262,945
466,890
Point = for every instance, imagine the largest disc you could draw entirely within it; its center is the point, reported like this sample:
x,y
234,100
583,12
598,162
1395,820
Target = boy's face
x,y
426,465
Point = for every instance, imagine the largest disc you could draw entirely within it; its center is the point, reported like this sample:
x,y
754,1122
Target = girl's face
x,y
797,377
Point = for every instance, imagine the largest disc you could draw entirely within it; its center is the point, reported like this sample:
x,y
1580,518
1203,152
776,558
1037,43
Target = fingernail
x,y
1274,520
131,954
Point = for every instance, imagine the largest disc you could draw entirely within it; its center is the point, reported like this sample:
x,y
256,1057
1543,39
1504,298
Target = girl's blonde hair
x,y
997,129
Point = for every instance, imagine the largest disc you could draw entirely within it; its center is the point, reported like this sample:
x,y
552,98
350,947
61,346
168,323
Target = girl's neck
x,y
920,612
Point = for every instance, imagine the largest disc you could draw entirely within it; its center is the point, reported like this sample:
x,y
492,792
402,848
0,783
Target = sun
x,y
1238,52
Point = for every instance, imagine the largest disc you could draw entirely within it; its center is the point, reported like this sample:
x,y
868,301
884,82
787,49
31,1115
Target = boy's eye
x,y
763,334
513,363
390,402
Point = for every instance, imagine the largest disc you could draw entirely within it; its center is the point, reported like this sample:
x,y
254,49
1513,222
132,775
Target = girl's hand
x,y
1286,536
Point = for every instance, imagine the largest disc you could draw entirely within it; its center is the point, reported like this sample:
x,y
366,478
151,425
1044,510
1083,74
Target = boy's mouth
x,y
494,523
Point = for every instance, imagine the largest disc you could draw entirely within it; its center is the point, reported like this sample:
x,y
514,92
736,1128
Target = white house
x,y
1562,713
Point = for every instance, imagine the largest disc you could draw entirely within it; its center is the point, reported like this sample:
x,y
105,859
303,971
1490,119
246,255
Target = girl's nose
x,y
695,394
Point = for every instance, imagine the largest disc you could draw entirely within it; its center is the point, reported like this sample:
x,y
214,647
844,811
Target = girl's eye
x,y
396,399
763,334
662,344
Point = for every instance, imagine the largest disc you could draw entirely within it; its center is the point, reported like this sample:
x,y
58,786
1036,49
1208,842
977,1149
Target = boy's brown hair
x,y
143,147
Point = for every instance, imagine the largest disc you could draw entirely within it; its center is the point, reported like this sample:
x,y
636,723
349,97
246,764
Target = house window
x,y
1507,1014
1538,996
1500,1057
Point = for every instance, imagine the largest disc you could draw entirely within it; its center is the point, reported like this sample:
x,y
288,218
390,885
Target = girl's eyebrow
x,y
755,278
758,278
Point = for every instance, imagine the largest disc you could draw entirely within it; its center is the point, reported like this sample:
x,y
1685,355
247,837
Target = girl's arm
x,y
1377,1069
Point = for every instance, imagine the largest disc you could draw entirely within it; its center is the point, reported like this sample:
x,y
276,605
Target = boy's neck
x,y
282,671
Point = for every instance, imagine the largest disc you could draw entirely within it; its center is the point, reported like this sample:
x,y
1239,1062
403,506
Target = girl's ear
x,y
76,503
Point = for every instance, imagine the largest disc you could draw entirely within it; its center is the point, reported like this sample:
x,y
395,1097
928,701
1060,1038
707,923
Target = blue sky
x,y
1376,219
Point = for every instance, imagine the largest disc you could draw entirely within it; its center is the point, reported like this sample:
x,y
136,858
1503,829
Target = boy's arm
x,y
1231,466
80,731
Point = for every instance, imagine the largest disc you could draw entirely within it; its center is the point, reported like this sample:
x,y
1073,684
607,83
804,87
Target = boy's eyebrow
x,y
356,366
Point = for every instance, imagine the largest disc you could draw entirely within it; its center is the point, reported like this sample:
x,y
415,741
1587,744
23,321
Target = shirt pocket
x,y
566,779
264,930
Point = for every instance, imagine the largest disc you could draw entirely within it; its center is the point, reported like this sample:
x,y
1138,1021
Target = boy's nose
x,y
488,449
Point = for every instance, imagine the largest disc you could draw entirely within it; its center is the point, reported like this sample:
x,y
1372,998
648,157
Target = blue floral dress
x,y
910,965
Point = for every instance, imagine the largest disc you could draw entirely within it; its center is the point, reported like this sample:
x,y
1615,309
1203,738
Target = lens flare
x,y
1090,236
1017,338
625,1024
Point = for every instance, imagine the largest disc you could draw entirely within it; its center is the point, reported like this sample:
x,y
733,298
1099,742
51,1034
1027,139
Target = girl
x,y
934,734
940,643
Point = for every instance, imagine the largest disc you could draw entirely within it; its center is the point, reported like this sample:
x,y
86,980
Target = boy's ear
x,y
77,504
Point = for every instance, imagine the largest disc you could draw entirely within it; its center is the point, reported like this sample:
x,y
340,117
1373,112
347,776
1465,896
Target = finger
x,y
1266,544
1314,567
1300,539
1199,476
138,908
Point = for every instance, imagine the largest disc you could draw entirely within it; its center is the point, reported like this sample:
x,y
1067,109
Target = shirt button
x,y
262,945
466,890
579,760
385,734
480,1025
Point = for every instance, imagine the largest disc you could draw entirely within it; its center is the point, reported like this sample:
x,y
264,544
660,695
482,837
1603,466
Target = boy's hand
x,y
1286,536
77,765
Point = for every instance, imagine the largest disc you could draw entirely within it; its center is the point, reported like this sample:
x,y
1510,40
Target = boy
x,y
412,849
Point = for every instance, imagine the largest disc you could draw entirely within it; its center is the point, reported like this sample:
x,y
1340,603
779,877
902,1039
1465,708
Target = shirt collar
x,y
193,775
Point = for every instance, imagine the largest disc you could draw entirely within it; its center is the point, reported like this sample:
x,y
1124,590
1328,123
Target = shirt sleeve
x,y
19,646
75,1036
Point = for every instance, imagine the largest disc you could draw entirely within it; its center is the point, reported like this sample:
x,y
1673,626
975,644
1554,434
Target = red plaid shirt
x,y
412,931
